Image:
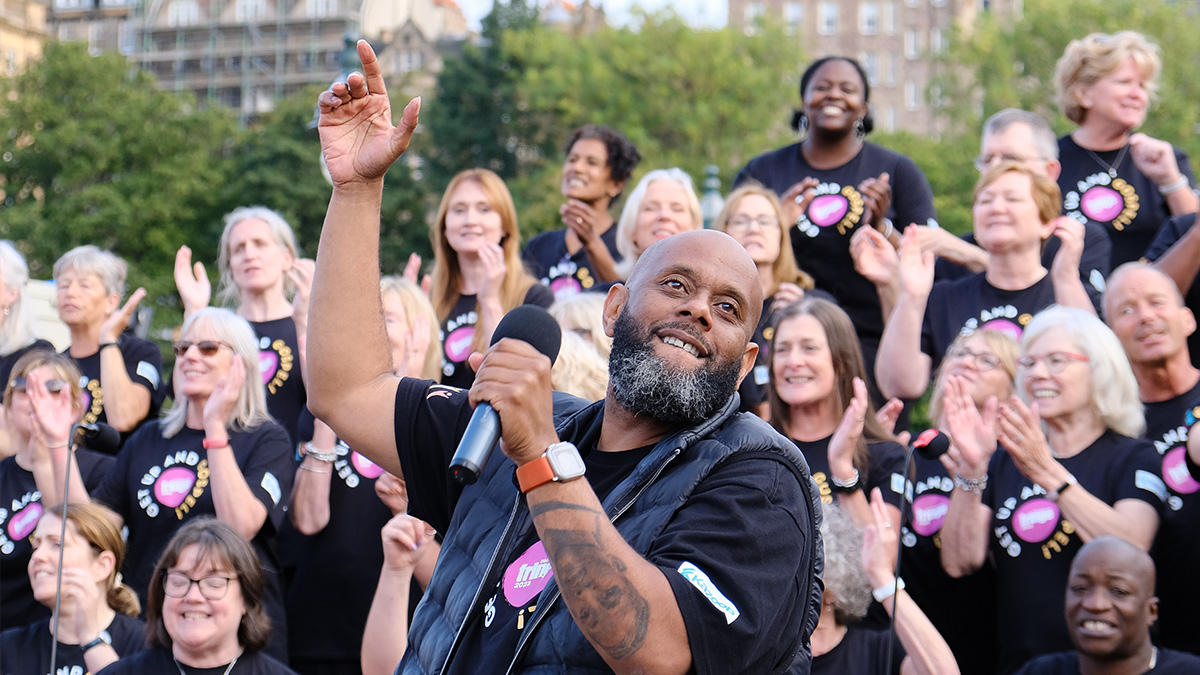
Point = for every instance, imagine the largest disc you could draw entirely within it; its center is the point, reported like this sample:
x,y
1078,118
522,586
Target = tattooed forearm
x,y
607,607
546,507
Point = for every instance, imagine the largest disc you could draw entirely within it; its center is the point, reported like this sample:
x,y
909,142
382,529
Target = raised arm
x,y
126,403
1064,272
385,637
310,494
53,416
233,500
355,396
973,436
901,368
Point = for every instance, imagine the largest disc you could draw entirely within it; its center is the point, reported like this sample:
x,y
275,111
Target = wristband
x,y
975,485
106,344
1053,496
889,229
210,444
327,456
888,590
101,639
845,487
1172,188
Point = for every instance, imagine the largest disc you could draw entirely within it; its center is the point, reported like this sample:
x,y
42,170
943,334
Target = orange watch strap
x,y
535,473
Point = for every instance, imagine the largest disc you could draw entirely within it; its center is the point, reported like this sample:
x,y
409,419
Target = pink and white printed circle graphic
x,y
1035,520
23,522
173,486
1102,203
527,576
828,210
1176,474
929,512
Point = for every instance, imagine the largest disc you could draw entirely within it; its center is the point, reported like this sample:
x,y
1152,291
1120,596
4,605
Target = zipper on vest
x,y
544,608
512,517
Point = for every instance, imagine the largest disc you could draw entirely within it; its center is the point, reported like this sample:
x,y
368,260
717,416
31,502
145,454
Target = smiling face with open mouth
x,y
196,623
835,98
1060,393
1110,605
802,362
1144,309
77,553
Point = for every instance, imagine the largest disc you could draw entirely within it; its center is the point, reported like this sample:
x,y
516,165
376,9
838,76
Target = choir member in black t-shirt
x,y
1128,182
206,608
1110,609
96,621
818,398
477,271
663,203
1015,211
16,323
1071,469
122,373
754,216
263,275
407,543
583,256
860,563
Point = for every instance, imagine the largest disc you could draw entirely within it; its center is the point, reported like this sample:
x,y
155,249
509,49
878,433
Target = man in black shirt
x,y
640,591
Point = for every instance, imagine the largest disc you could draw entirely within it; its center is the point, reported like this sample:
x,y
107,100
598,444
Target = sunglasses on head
x,y
206,347
21,384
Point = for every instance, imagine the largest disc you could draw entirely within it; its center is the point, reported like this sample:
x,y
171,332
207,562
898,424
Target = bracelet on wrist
x,y
327,456
56,446
1174,186
211,444
106,344
888,228
846,486
306,467
888,590
1053,496
973,485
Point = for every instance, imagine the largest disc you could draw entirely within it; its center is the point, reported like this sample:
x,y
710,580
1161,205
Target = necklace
x,y
235,660
1112,168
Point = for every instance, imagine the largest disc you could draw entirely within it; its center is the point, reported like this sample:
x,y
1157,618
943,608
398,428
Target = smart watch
x,y
560,463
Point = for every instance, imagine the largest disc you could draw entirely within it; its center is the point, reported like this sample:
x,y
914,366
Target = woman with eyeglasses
x,y
1015,210
42,401
97,614
206,608
217,452
1039,475
754,217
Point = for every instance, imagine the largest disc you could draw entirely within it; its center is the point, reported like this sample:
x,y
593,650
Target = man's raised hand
x,y
358,140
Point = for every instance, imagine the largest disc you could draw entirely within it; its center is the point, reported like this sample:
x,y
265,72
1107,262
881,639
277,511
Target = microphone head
x,y
931,444
532,324
98,436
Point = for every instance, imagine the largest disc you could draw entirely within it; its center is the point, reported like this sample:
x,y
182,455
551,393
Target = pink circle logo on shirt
x,y
1004,326
1102,203
1176,474
1035,520
527,576
827,210
365,467
458,343
23,522
929,512
173,486
268,362
565,287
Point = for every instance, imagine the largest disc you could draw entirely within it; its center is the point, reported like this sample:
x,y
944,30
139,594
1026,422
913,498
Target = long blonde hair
x,y
414,303
447,274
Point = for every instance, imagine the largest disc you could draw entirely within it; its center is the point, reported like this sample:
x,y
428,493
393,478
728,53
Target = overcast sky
x,y
697,12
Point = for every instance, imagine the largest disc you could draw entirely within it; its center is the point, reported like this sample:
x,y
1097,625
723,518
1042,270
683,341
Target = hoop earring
x,y
860,131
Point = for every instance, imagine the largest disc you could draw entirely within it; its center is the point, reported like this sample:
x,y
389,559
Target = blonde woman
x,y
663,203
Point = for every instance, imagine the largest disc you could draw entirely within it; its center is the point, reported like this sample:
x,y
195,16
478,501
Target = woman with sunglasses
x,y
41,402
1038,476
216,453
206,608
97,614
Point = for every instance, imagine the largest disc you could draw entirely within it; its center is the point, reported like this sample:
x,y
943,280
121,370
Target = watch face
x,y
565,460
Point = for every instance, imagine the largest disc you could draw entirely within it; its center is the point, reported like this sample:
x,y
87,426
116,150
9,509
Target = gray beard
x,y
645,385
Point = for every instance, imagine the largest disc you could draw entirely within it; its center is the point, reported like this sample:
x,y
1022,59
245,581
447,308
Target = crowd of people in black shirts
x,y
1058,338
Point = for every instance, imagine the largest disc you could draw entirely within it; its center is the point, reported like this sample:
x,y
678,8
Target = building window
x,y
249,10
125,38
912,43
892,67
183,13
889,118
95,38
936,40
828,18
868,18
870,63
912,95
68,4
752,17
793,14
889,17
321,8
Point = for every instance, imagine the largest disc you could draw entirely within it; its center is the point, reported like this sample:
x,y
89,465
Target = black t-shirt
x,y
963,306
158,483
861,652
736,528
143,363
458,333
1170,233
963,610
26,650
7,361
821,238
885,469
160,661
20,510
279,360
547,259
1169,662
1176,548
1129,206
1032,544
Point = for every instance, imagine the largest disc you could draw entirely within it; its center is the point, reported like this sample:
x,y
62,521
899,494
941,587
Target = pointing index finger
x,y
370,68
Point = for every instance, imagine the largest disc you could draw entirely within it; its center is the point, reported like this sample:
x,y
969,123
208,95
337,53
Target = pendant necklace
x,y
1112,168
231,664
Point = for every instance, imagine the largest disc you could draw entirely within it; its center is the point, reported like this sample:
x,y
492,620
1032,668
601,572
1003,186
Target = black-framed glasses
x,y
178,585
982,360
206,347
984,161
1055,361
744,223
55,385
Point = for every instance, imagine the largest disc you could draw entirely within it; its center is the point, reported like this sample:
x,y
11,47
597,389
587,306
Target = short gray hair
x,y
844,578
17,329
89,259
1044,141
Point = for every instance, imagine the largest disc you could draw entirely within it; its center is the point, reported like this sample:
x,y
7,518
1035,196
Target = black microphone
x,y
96,436
528,323
931,444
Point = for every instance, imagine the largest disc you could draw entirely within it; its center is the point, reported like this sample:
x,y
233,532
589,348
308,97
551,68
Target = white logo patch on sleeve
x,y
148,371
705,585
1150,483
271,484
898,483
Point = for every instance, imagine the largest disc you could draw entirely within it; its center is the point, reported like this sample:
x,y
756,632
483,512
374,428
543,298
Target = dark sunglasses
x,y
21,384
206,347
